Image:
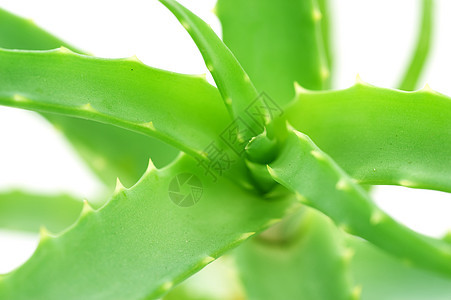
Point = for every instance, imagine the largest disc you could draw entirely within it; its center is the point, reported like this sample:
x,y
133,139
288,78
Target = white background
x,y
372,38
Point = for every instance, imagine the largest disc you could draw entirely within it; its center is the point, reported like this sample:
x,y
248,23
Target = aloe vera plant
x,y
270,166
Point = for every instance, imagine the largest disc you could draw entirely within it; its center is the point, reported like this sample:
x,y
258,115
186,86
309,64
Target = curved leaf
x,y
380,136
311,265
278,43
385,277
122,92
27,211
20,33
421,52
326,21
319,182
235,87
110,151
141,243
218,281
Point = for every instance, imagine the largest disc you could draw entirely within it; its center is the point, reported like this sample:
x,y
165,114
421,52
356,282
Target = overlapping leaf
x,y
301,266
29,211
182,110
234,84
141,243
20,33
114,245
302,168
110,151
380,136
278,43
382,276
422,48
122,92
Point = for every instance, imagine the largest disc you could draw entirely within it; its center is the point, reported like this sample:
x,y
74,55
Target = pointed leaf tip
x,y
299,89
427,89
207,260
298,133
20,98
119,187
44,233
87,209
358,80
271,171
150,167
134,58
245,236
291,128
65,50
87,107
202,76
149,125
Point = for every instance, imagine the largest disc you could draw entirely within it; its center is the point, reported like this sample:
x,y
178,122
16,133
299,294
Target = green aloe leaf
x,y
385,277
313,264
110,151
20,33
183,110
29,211
218,281
184,294
302,168
278,43
141,243
380,136
326,21
421,51
233,83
